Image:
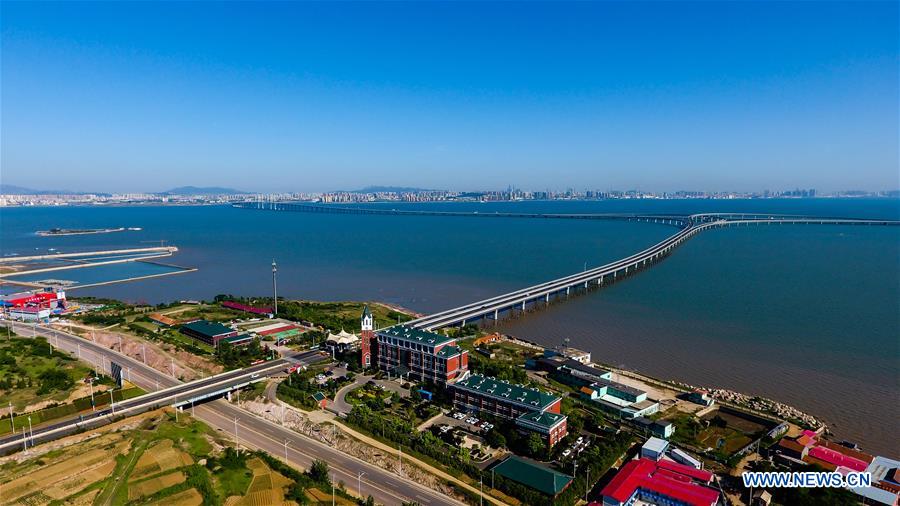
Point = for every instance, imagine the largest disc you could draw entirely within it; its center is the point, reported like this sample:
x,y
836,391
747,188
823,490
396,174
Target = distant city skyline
x,y
319,97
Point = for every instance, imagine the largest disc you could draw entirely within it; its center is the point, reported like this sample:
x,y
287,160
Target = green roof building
x,y
538,477
208,332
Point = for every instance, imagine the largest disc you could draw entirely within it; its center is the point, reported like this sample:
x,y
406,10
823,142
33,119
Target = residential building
x,y
423,355
532,410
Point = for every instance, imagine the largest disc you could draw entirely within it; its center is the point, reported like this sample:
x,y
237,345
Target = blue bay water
x,y
809,315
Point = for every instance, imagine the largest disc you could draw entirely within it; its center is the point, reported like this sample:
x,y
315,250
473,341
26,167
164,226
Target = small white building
x,y
30,313
654,449
342,341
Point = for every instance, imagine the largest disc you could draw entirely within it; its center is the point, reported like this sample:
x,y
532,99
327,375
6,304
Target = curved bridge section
x,y
542,294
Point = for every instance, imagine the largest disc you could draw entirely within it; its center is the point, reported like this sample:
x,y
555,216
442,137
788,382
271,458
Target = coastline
x,y
758,405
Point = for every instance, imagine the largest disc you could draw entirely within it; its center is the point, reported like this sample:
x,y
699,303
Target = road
x,y
254,432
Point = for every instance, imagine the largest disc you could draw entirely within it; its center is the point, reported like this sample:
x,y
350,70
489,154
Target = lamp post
x,y
285,451
275,286
359,483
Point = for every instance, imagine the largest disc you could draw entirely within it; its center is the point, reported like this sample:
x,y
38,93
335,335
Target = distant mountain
x,y
390,189
202,190
11,189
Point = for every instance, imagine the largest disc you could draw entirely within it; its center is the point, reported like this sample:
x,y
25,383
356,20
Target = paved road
x,y
254,432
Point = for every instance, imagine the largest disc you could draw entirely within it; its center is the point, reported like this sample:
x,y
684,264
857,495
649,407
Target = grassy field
x,y
27,372
158,462
338,315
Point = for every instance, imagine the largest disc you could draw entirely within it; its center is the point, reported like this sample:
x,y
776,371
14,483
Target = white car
x,y
567,453
579,440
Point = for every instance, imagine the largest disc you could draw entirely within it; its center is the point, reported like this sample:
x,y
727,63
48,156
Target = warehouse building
x,y
208,332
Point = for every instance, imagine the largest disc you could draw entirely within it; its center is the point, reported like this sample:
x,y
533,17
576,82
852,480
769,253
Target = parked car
x,y
567,453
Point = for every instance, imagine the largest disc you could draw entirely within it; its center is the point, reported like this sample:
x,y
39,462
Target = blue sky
x,y
144,96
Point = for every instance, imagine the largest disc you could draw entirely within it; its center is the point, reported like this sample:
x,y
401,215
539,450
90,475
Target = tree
x,y
535,445
53,379
496,439
319,471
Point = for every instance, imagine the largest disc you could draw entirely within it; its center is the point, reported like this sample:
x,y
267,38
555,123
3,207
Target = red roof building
x,y
662,482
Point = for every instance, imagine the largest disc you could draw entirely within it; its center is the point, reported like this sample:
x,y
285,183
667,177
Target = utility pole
x,y
144,353
112,402
93,408
31,432
481,487
275,286
587,484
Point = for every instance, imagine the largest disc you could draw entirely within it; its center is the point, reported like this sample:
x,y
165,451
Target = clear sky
x,y
144,96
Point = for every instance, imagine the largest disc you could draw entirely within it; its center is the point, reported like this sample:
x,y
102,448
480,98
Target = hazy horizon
x,y
310,97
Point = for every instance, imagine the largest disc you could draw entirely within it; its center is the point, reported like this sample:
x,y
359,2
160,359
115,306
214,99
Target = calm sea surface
x,y
809,315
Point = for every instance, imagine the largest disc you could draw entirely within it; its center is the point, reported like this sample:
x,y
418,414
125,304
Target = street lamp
x,y
275,286
359,483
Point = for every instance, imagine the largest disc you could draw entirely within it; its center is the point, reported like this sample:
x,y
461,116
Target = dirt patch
x,y
158,355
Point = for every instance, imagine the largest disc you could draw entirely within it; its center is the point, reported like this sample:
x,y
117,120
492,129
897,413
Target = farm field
x,y
149,459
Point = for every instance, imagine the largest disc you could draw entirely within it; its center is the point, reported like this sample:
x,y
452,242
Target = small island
x,y
82,231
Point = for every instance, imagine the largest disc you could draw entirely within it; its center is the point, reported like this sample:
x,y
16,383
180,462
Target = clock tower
x,y
367,334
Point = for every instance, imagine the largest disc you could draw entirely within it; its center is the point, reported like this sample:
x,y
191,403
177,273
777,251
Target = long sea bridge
x,y
542,294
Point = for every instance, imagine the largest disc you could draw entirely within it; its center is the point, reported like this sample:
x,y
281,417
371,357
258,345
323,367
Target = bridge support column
x,y
567,291
547,298
496,314
228,395
523,306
